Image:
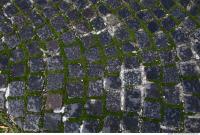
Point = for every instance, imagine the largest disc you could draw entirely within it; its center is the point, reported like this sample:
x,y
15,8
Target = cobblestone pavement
x,y
101,65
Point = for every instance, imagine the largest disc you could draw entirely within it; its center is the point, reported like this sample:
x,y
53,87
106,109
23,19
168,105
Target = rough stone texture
x,y
100,65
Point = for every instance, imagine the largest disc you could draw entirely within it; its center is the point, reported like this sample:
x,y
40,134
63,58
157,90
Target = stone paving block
x,y
34,104
37,65
52,122
132,100
113,101
172,94
72,127
31,123
90,126
35,83
18,70
95,70
16,88
150,127
130,124
151,110
93,107
72,53
55,63
75,90
55,81
73,110
132,78
16,108
95,88
131,62
53,101
76,70
111,124
192,125
191,104
172,117
190,86
189,69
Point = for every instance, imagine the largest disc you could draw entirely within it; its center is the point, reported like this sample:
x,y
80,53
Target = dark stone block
x,y
113,65
44,32
110,51
16,88
35,83
31,123
111,125
152,91
12,41
113,101
76,70
132,78
153,73
190,86
170,75
167,3
124,13
191,104
34,104
17,55
92,54
122,34
75,90
72,127
94,107
103,9
73,110
73,53
52,122
53,47
150,127
98,23
171,94
59,23
189,69
172,117
131,62
185,53
130,124
133,100
95,70
153,26
90,126
105,38
18,70
16,108
133,24
55,63
142,39
95,88
55,81
113,83
26,33
152,110
159,13
37,65
192,125
168,23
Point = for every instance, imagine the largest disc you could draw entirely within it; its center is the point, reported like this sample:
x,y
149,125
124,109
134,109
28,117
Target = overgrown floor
x,y
100,65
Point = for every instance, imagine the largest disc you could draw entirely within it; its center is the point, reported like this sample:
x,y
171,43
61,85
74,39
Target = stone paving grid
x,y
101,65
